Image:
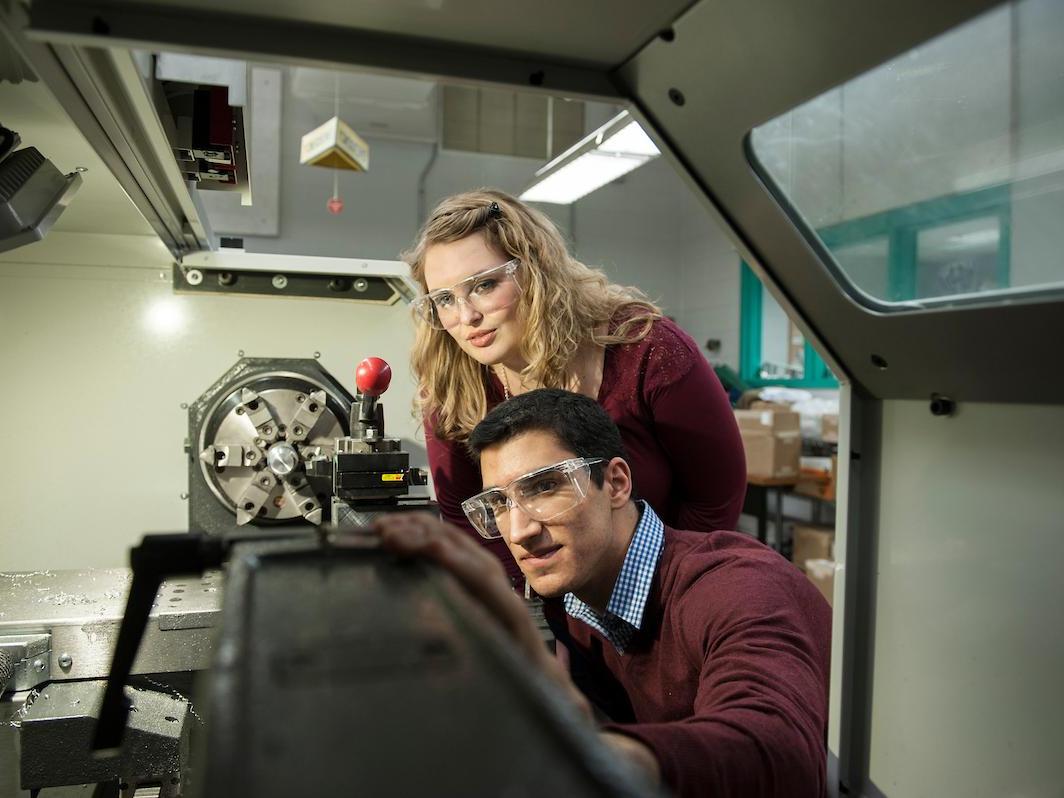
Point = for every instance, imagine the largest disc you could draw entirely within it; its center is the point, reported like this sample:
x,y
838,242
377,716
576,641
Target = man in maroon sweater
x,y
708,652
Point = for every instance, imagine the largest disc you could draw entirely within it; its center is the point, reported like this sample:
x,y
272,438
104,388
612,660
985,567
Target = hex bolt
x,y
65,661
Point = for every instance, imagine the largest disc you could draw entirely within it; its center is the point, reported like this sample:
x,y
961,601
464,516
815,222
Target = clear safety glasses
x,y
492,289
542,495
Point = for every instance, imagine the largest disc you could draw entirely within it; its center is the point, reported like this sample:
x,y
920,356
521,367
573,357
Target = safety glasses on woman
x,y
485,292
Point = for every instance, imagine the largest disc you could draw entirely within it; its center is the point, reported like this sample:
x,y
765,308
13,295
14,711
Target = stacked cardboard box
x,y
817,476
829,428
822,574
812,543
772,440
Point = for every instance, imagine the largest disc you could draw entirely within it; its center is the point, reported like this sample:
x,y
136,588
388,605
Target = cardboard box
x,y
812,543
760,404
768,420
818,482
829,428
822,574
334,145
772,456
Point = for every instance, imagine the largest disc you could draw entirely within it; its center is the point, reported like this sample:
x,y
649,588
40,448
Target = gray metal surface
x,y
392,680
728,90
81,610
28,212
858,609
537,45
101,92
55,730
551,28
27,660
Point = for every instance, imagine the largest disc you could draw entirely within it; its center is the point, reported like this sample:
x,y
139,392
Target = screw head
x,y
38,665
65,661
279,281
194,277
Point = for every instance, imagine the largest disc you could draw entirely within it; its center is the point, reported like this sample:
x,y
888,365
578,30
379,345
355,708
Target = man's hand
x,y
482,576
635,752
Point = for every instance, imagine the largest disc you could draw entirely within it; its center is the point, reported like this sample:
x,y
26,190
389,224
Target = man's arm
x,y
759,717
483,577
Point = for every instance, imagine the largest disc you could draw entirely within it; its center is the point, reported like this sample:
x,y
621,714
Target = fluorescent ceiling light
x,y
602,156
580,177
631,139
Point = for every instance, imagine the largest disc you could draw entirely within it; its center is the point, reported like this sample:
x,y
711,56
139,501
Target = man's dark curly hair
x,y
579,423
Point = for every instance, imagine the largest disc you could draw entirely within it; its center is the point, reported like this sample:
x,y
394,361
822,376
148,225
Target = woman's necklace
x,y
505,383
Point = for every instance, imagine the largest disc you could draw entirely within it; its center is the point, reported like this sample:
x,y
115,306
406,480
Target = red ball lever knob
x,y
373,376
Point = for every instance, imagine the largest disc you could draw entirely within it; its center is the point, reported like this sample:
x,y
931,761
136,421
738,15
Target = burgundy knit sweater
x,y
677,426
727,682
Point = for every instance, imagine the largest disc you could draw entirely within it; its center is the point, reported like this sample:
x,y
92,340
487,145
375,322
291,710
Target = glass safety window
x,y
938,177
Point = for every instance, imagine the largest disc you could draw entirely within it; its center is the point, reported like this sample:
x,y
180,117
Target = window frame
x,y
901,227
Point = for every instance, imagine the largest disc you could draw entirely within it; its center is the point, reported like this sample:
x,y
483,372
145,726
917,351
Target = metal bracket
x,y
32,654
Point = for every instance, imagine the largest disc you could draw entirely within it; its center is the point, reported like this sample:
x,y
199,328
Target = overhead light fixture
x,y
615,149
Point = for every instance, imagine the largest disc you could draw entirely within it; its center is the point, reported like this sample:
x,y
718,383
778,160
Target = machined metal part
x,y
80,612
28,658
250,502
300,494
56,727
259,412
306,416
264,419
283,459
381,663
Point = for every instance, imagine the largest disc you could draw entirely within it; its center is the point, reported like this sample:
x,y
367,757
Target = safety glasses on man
x,y
542,495
487,291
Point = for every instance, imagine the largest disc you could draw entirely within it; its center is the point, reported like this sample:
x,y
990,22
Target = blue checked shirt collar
x,y
624,612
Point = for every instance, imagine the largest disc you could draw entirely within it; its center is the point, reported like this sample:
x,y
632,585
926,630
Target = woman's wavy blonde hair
x,y
562,305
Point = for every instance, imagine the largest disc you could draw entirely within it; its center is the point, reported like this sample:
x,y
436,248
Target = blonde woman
x,y
506,310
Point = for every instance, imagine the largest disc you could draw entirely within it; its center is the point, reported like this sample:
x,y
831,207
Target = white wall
x,y
708,284
97,358
969,646
646,229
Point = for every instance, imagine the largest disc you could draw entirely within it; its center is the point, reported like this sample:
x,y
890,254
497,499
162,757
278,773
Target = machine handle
x,y
373,376
157,557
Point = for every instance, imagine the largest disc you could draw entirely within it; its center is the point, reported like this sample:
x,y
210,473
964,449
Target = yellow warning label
x,y
391,477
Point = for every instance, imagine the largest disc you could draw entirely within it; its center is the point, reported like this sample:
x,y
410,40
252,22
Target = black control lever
x,y
156,558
